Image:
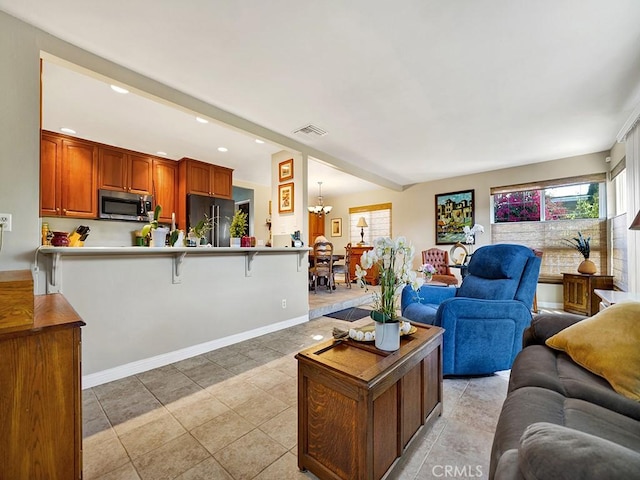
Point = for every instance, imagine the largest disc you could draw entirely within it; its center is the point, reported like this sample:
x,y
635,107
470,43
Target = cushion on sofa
x,y
607,345
528,405
540,366
550,451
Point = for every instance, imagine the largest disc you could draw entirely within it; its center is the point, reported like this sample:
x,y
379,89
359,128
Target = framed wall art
x,y
285,198
285,170
454,211
336,227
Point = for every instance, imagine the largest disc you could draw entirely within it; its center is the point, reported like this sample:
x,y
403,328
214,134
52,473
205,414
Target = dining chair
x,y
322,265
344,268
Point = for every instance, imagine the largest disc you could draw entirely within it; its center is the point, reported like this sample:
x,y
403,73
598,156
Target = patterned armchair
x,y
440,260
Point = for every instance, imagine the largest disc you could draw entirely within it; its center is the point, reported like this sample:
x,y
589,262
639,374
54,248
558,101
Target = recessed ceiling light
x,y
223,149
202,120
67,130
259,141
118,89
161,153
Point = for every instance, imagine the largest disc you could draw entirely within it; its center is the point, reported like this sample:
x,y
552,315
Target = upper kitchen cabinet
x,y
50,157
124,171
68,177
222,182
165,187
202,178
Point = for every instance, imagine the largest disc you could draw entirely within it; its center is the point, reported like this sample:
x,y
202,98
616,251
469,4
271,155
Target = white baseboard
x,y
139,366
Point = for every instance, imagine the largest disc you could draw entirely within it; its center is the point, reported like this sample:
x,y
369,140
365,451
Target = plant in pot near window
x,y
394,261
583,246
238,227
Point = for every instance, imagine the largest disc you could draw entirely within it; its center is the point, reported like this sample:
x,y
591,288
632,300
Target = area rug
x,y
350,314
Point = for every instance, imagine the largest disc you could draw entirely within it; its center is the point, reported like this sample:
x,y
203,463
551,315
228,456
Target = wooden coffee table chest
x,y
358,407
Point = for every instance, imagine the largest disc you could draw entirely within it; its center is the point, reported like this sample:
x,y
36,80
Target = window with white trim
x,y
377,218
543,215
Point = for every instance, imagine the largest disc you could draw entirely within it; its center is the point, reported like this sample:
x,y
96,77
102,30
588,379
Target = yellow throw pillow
x,y
607,344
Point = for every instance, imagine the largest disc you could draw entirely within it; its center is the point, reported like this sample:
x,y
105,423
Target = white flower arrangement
x,y
470,233
394,259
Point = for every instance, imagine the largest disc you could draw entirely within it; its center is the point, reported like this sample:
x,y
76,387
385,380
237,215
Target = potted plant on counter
x,y
158,234
238,227
200,230
394,259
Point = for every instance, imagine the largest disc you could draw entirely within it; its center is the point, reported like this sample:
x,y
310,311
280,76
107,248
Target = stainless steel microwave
x,y
124,206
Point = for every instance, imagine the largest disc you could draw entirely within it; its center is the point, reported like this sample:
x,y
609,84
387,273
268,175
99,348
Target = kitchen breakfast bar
x,y
148,307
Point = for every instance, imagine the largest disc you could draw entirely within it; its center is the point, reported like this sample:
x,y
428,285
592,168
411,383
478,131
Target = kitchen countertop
x,y
177,255
168,250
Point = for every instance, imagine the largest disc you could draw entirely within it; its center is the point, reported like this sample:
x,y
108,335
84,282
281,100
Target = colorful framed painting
x,y
336,227
285,170
454,211
285,198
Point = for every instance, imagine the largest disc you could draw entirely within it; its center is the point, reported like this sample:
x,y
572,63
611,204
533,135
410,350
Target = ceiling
x,y
408,91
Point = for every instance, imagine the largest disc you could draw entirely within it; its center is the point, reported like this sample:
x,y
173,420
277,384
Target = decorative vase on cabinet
x,y
388,336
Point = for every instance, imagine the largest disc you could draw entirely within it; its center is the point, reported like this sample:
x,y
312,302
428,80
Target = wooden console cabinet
x,y
40,395
578,292
356,252
358,407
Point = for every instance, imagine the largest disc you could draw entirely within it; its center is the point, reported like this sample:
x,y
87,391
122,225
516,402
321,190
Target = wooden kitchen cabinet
x,y
124,171
202,178
165,188
69,177
41,404
578,292
50,158
356,252
316,227
222,182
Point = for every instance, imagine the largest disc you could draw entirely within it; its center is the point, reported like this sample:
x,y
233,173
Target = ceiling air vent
x,y
311,129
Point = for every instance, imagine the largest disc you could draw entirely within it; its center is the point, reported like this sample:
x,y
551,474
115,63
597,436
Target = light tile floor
x,y
232,414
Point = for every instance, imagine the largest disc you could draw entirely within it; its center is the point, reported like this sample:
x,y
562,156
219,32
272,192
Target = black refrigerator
x,y
220,209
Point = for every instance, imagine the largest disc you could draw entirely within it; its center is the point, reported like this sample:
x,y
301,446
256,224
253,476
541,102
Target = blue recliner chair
x,y
485,317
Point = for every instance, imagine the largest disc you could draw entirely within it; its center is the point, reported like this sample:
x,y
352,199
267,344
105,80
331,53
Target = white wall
x,y
19,141
287,223
413,210
134,312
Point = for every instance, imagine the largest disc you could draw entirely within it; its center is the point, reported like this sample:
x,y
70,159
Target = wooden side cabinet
x,y
40,395
578,292
359,407
356,252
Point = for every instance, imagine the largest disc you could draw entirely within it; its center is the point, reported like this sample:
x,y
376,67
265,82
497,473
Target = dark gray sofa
x,y
561,421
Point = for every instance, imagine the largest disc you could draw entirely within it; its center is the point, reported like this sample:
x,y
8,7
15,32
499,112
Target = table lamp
x,y
361,223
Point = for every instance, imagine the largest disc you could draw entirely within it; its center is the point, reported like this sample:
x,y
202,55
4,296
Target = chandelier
x,y
320,208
